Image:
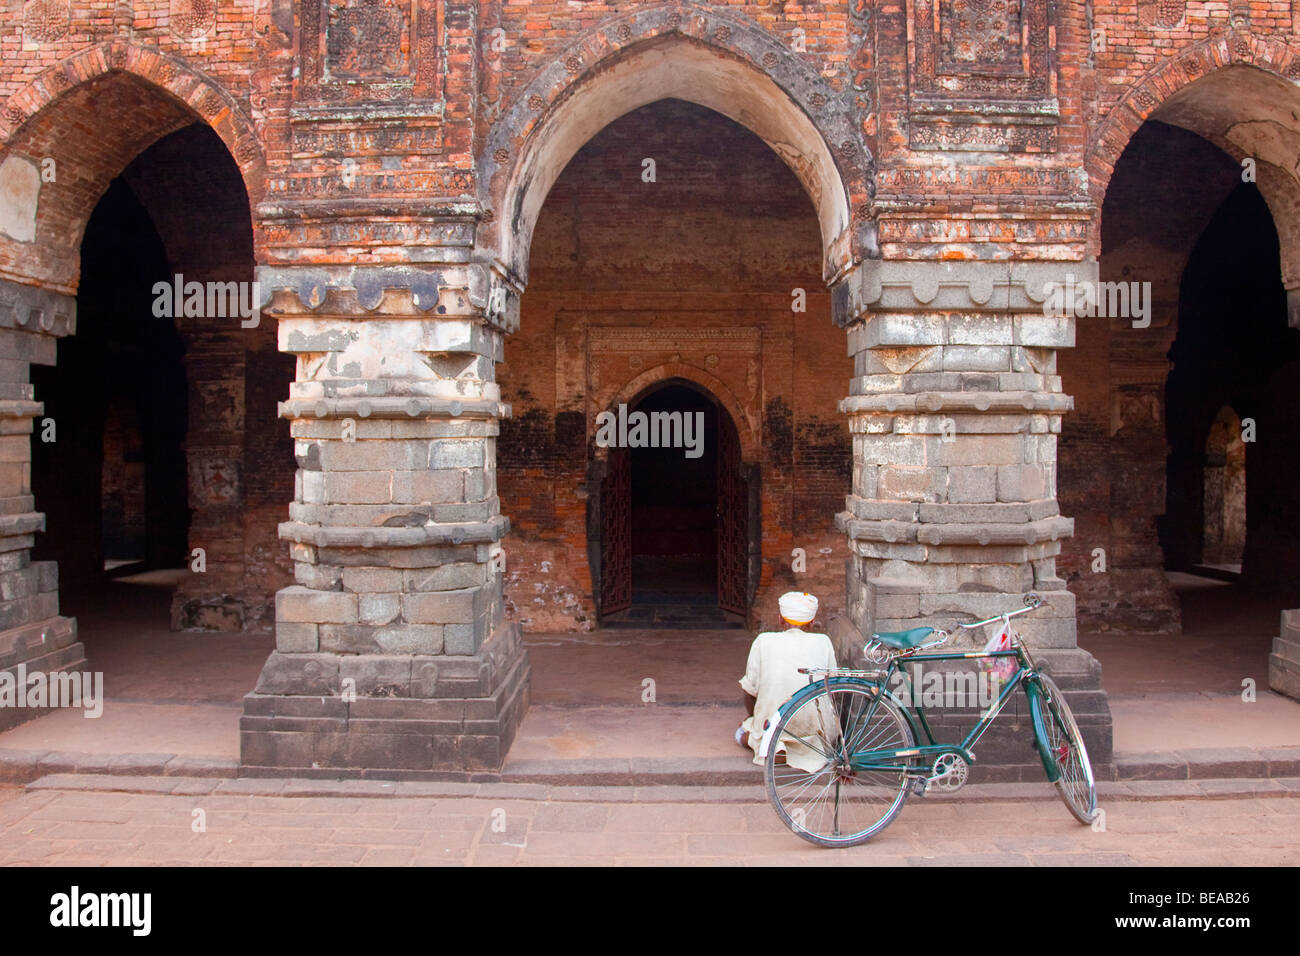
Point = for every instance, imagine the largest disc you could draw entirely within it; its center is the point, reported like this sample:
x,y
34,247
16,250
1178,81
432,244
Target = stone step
x,y
297,787
1243,764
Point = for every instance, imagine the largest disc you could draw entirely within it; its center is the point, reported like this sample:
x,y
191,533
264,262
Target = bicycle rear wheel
x,y
1061,744
836,805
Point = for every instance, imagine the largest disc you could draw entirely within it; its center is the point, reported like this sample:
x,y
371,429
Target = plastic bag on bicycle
x,y
1002,668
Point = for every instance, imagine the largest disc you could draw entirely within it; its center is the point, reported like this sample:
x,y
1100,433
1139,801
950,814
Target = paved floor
x,y
81,828
180,693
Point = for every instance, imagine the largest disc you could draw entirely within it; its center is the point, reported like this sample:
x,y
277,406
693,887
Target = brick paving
x,y
47,825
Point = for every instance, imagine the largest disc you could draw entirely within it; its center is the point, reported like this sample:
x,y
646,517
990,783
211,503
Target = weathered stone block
x,y
457,454
378,608
972,484
300,674
1020,483
976,358
377,675
372,580
318,577
322,607
911,484
448,577
443,607
296,637
429,485
358,487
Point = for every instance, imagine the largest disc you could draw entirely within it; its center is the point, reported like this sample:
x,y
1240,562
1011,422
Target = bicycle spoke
x,y
837,805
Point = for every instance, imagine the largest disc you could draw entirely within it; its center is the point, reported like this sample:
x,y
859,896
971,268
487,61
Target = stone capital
x,y
465,290
877,285
27,308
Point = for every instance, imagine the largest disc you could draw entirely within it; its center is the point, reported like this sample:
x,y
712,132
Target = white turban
x,y
798,607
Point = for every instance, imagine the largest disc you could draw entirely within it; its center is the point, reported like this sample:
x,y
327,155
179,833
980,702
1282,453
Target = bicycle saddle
x,y
903,640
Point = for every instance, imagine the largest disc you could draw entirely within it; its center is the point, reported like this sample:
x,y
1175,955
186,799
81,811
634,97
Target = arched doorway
x,y
113,484
675,514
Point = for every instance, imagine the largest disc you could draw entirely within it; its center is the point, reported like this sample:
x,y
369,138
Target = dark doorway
x,y
112,483
1230,406
671,521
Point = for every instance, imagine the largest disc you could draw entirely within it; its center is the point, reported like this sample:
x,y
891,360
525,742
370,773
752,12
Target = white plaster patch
x,y
20,185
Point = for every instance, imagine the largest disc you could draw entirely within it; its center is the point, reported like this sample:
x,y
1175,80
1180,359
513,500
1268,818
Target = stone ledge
x,y
29,523
20,408
475,532
394,406
950,534
994,403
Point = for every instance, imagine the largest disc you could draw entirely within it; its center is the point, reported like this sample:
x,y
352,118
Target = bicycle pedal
x,y
920,786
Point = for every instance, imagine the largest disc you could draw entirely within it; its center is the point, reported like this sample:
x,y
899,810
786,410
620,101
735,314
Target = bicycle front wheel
x,y
816,791
1062,745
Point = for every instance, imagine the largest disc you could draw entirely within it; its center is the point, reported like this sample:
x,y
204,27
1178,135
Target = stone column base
x,y
404,717
46,646
1284,662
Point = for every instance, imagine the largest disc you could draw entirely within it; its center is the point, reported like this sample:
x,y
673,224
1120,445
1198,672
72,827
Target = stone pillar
x,y
1284,662
955,409
214,459
33,635
392,653
1136,586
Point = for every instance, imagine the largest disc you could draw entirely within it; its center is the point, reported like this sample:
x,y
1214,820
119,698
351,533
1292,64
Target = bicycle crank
x,y
949,773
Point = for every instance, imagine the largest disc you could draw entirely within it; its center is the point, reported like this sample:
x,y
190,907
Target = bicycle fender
x,y
1039,717
769,731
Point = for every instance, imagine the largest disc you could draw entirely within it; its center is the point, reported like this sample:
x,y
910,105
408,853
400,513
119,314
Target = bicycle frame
x,y
887,760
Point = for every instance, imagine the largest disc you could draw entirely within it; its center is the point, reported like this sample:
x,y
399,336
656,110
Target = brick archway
x,y
679,52
1217,89
1191,64
153,93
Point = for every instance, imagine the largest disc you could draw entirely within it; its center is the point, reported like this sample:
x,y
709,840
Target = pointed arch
x,y
140,95
692,54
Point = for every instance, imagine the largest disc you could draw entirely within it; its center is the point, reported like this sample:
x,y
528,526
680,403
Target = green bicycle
x,y
856,747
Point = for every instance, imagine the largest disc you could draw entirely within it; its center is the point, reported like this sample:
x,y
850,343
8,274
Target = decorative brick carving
x,y
372,50
193,18
1161,14
45,21
367,38
981,75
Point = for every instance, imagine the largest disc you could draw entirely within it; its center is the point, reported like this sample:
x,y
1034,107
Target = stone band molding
x,y
879,285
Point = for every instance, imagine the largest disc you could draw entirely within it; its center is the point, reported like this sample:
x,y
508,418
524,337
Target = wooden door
x,y
616,533
733,521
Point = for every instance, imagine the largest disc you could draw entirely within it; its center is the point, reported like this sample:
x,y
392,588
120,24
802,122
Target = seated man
x,y
772,677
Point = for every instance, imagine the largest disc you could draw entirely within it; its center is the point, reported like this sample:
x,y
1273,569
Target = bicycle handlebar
x,y
1032,601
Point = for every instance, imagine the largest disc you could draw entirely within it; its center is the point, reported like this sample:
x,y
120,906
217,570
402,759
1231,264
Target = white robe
x,y
772,675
